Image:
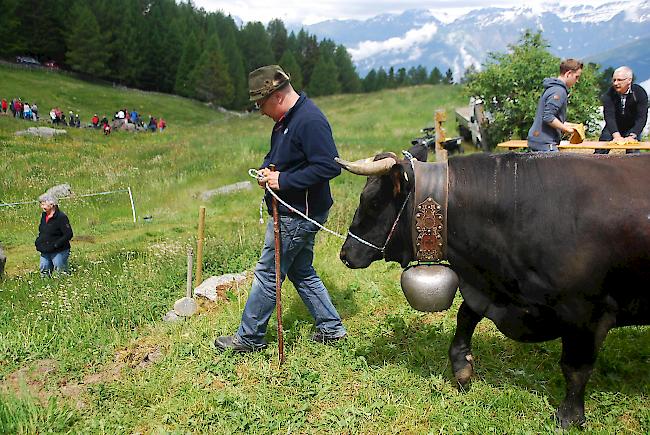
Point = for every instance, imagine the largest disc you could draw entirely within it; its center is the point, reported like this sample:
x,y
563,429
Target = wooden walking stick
x,y
278,281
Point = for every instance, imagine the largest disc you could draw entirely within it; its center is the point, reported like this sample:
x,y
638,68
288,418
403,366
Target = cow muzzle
x,y
357,256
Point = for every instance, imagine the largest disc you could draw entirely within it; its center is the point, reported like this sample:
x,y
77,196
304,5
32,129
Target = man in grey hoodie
x,y
550,117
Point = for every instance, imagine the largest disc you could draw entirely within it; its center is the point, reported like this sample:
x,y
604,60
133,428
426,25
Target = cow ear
x,y
399,178
419,151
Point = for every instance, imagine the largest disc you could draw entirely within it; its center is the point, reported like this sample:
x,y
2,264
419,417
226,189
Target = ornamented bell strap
x,y
430,226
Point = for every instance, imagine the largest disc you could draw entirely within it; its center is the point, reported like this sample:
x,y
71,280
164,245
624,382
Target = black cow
x,y
546,245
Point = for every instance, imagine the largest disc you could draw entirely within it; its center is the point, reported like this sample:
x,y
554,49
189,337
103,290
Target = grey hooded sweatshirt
x,y
552,104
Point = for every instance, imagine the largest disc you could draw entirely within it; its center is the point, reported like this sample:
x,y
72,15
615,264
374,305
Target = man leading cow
x,y
303,151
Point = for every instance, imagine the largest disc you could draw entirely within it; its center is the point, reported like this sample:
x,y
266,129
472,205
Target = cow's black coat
x,y
546,246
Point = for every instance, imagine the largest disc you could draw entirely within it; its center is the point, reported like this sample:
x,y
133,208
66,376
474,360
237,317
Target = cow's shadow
x,y
422,346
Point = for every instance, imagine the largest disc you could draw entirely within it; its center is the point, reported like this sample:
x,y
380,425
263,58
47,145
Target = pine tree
x,y
119,24
151,34
449,77
469,72
324,79
278,34
235,69
392,83
183,85
86,46
41,28
255,46
382,79
420,76
307,55
9,27
435,78
290,66
173,44
370,81
348,76
402,80
210,77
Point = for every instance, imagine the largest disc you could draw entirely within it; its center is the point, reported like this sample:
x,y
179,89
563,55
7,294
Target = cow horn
x,y
368,166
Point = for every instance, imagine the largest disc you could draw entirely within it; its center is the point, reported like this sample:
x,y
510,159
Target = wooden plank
x,y
515,144
440,116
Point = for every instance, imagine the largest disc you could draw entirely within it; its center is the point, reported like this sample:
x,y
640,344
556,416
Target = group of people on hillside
x,y
57,117
625,109
124,116
23,110
19,109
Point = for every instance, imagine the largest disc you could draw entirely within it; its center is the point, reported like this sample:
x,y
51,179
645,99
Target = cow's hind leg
x,y
579,352
460,351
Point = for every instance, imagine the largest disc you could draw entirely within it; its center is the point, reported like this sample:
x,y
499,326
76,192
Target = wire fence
x,y
128,189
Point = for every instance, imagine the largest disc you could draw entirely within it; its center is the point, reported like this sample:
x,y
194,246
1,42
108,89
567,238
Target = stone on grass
x,y
41,132
171,316
215,287
60,190
242,185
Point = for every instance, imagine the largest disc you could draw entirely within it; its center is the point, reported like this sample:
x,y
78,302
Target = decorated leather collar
x,y
429,230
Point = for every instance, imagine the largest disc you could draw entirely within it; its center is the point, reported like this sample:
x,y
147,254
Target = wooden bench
x,y
586,146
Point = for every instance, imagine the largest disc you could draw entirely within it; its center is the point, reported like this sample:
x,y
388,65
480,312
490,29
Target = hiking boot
x,y
320,337
231,342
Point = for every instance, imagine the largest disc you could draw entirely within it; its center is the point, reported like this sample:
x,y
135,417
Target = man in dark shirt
x,y
303,152
625,108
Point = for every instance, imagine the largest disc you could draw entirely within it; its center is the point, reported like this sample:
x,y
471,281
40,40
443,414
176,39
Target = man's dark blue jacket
x,y
303,150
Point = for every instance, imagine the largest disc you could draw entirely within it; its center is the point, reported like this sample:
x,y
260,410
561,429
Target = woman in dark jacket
x,y
54,235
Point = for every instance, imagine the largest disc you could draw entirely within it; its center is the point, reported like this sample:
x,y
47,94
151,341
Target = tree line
x,y
172,47
382,79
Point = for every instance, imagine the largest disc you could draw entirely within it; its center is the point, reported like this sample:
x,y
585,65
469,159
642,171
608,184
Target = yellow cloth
x,y
624,142
578,134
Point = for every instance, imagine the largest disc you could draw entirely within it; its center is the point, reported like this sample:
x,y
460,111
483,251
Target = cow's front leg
x,y
579,352
460,351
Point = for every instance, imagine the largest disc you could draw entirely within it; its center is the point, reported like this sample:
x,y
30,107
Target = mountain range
x,y
611,34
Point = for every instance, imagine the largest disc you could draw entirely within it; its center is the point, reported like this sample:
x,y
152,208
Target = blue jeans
x,y
57,261
297,253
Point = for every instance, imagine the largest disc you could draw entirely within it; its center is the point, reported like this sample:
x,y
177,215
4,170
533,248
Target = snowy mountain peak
x,y
458,38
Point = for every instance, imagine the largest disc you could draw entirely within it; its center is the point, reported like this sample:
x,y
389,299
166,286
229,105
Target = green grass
x,y
391,375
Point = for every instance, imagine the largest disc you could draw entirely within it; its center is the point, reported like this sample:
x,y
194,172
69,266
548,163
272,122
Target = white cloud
x,y
409,42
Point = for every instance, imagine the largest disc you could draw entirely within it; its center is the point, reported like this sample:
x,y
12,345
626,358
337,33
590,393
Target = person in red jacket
x,y
95,121
4,106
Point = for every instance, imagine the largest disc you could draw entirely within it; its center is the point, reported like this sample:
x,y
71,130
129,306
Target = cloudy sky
x,y
309,12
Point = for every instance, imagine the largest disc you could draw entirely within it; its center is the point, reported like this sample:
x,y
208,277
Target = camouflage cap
x,y
265,80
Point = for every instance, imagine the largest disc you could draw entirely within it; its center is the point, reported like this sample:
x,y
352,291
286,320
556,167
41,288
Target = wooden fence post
x,y
199,248
439,117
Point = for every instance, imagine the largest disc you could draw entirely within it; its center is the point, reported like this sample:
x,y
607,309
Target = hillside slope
x,y
88,352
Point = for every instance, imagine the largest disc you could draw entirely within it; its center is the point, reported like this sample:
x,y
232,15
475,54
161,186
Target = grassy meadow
x,y
89,353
